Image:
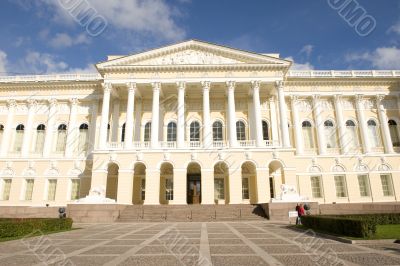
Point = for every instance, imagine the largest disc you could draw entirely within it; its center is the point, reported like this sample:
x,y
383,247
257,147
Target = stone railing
x,y
55,77
343,73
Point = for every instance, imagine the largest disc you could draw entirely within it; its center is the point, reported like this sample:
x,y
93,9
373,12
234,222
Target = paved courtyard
x,y
219,243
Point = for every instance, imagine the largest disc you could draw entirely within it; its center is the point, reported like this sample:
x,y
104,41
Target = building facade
x,y
198,123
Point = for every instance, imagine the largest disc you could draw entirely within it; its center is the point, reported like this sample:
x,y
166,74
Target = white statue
x,y
289,194
97,195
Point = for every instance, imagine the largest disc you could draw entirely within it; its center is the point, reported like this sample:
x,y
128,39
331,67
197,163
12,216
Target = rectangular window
x,y
61,141
316,187
75,183
364,185
19,135
6,189
169,189
219,190
29,188
51,189
83,140
39,141
387,185
143,189
245,188
340,184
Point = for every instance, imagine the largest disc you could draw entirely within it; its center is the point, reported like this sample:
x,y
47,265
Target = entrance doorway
x,y
193,189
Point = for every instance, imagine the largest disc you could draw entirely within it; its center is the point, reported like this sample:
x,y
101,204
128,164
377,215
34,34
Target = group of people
x,y
300,212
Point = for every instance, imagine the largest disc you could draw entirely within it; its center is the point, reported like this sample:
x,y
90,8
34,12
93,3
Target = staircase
x,y
195,213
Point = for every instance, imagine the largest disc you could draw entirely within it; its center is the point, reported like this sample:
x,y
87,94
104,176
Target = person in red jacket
x,y
300,212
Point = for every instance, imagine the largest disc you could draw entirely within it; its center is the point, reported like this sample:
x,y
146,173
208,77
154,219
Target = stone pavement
x,y
216,243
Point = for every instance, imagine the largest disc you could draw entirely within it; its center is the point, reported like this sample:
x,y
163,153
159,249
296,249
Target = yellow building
x,y
201,123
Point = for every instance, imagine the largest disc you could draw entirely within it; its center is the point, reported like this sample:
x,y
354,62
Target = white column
x,y
181,115
93,125
72,136
138,119
283,115
274,121
340,123
104,115
50,130
115,121
232,114
207,133
5,143
363,123
155,114
28,129
257,113
319,125
129,115
383,120
297,125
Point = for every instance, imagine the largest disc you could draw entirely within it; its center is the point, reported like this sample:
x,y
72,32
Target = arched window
x,y
123,133
240,130
40,136
194,131
19,135
394,133
265,130
373,133
308,135
147,132
61,138
171,131
83,137
1,132
108,132
351,134
330,134
217,131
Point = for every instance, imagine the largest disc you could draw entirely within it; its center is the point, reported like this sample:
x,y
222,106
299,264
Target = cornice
x,y
50,85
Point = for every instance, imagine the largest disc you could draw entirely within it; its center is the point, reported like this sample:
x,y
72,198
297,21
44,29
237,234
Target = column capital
x,y
31,103
256,84
206,85
73,101
379,98
294,98
107,87
131,86
156,86
181,85
53,102
315,98
272,98
337,97
279,84
231,85
359,98
11,103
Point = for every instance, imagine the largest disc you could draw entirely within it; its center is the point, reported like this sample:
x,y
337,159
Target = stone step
x,y
154,213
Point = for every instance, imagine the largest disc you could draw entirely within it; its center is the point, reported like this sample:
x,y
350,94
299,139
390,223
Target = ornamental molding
x,y
304,105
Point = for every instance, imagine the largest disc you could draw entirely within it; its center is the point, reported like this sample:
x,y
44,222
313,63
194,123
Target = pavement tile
x,y
231,250
282,249
90,260
237,260
152,261
370,259
108,250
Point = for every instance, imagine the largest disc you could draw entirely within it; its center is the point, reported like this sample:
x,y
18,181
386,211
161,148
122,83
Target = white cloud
x,y
307,49
381,58
3,63
299,66
62,40
88,69
154,17
395,28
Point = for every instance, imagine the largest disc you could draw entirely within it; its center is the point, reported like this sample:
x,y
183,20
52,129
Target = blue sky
x,y
42,36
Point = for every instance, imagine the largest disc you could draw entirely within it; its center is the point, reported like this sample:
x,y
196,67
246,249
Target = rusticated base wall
x,y
94,213
28,212
359,208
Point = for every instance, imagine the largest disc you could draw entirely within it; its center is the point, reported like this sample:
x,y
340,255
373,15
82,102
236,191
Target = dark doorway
x,y
193,189
271,187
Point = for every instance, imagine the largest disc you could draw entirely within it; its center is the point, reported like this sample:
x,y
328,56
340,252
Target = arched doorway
x,y
193,191
221,183
249,183
166,183
112,181
276,178
139,183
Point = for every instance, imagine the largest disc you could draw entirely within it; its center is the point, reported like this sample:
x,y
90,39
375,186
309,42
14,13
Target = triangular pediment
x,y
193,53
